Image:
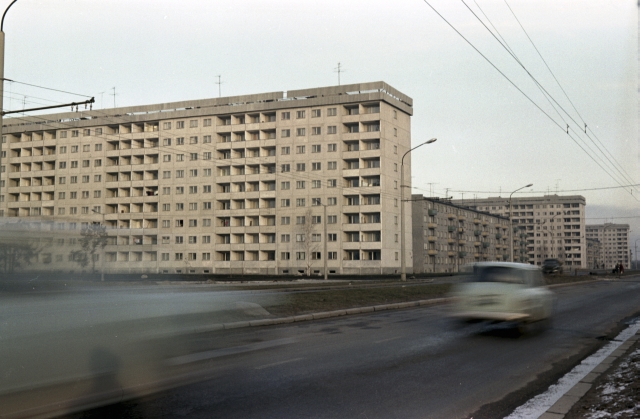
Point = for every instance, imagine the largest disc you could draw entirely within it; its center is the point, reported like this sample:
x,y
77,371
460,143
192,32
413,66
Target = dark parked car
x,y
551,266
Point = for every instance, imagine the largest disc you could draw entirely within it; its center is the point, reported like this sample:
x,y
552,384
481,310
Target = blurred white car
x,y
502,292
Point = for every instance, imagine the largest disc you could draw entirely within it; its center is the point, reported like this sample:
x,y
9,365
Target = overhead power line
x,y
46,88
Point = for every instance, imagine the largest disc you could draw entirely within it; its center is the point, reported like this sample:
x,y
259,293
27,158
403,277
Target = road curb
x,y
560,408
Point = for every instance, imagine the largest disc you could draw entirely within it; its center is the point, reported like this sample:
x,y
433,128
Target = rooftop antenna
x,y
114,96
101,102
219,83
557,183
431,188
339,70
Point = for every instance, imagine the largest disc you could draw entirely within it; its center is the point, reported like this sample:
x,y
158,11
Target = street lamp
x,y
102,247
511,221
636,246
403,264
2,81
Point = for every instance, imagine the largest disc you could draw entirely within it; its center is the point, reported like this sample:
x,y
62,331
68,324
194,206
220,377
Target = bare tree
x,y
306,230
93,238
17,247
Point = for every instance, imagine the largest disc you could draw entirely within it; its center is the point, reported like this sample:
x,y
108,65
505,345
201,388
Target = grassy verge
x,y
309,302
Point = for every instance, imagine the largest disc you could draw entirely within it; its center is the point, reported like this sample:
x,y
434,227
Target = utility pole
x,y
114,96
2,82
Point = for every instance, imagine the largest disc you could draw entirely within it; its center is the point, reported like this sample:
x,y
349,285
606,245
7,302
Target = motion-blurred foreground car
x,y
502,292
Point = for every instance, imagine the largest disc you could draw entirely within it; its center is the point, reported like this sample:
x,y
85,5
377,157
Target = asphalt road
x,y
400,364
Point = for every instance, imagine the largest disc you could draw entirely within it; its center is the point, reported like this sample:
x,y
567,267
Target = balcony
x,y
461,217
432,212
477,233
432,225
432,252
485,245
451,216
498,236
476,221
462,242
451,241
462,254
432,238
451,229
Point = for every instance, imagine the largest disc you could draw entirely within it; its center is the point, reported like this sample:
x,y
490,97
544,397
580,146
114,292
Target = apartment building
x,y
550,226
614,243
244,184
447,236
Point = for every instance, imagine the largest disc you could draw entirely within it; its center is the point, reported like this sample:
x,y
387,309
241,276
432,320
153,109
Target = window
x,y
395,132
74,179
332,237
316,130
301,132
316,166
332,165
74,148
61,195
166,174
332,129
332,112
179,190
193,123
315,184
62,180
206,155
166,125
300,202
179,240
73,195
193,173
285,256
332,147
300,184
206,239
285,202
285,238
300,256
300,114
300,167
206,122
332,255
193,156
166,158
285,221
179,124
206,172
285,133
63,149
179,173
63,134
166,141
206,206
332,219
285,150
316,148
193,223
85,194
316,219
316,113
285,115
179,206
166,223
180,141
193,189
285,185
62,165
332,201
97,162
166,207
299,238
300,219
207,138
332,183
179,157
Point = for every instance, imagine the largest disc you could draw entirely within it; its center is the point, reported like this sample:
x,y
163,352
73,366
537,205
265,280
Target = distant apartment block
x,y
550,226
614,242
447,236
226,185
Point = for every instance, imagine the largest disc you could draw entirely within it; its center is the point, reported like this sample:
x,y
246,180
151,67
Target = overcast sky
x,y
491,138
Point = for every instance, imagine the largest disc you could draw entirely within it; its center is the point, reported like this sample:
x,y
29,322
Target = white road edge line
x,y
234,350
538,405
261,367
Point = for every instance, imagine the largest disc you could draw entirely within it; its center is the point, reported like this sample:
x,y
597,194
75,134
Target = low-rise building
x,y
446,235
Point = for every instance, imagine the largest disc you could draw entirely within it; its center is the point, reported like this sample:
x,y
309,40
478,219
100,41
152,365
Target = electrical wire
x,y
46,88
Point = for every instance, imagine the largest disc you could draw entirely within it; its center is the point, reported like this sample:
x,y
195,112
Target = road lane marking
x,y
217,353
274,364
387,340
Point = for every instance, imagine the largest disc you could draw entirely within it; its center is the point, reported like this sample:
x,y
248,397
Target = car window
x,y
499,274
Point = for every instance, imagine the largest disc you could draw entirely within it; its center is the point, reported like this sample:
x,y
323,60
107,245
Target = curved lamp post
x,y
511,221
403,264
